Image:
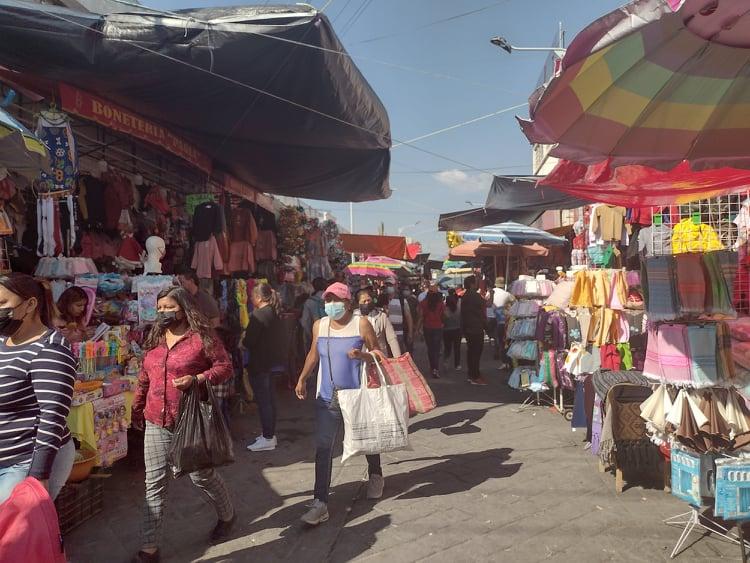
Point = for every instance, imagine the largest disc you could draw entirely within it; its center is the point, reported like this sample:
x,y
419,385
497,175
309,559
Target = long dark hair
x,y
27,287
452,302
197,321
434,298
265,293
69,296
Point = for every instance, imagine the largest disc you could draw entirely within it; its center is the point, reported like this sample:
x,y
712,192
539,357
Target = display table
x,y
102,425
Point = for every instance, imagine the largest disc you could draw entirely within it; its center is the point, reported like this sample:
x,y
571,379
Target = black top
x,y
36,389
264,339
207,221
473,312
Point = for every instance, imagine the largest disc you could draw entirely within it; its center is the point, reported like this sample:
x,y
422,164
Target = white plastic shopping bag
x,y
375,420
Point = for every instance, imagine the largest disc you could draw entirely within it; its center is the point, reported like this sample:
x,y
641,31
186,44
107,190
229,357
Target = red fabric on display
x,y
412,250
610,357
392,247
642,186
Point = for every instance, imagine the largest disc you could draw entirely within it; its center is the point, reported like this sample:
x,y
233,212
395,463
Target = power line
x,y
353,20
415,172
433,74
272,95
462,124
436,22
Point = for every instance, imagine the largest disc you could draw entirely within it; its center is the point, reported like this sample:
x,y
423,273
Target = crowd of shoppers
x,y
187,348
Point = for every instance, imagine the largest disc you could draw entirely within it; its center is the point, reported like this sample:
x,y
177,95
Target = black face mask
x,y
8,325
166,319
366,309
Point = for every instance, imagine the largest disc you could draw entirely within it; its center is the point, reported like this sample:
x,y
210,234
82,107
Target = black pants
x,y
452,342
265,398
474,347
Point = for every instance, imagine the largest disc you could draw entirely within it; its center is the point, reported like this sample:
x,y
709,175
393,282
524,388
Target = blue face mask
x,y
335,310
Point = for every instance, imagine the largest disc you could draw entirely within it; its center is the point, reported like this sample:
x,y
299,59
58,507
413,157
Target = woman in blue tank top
x,y
338,340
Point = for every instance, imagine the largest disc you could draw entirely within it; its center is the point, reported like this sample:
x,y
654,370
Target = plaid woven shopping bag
x,y
404,370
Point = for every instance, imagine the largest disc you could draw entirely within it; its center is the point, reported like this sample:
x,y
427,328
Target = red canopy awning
x,y
375,245
643,186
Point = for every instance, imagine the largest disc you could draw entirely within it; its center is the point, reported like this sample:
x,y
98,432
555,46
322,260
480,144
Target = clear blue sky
x,y
478,79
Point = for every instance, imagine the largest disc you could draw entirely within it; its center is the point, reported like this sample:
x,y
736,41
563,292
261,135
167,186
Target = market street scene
x,y
388,281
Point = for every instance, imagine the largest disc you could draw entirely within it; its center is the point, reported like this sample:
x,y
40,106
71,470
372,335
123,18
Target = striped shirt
x,y
36,389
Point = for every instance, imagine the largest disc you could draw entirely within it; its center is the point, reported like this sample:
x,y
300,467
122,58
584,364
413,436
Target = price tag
x,y
657,219
696,218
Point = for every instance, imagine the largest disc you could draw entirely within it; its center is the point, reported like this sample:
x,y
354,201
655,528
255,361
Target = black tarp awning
x,y
511,198
199,73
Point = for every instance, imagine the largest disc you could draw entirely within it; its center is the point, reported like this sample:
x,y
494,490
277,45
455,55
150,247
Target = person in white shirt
x,y
501,299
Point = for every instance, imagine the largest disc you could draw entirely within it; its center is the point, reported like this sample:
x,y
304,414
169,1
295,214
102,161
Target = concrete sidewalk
x,y
484,482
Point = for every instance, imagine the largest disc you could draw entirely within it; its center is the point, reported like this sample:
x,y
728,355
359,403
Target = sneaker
x,y
145,557
223,528
502,366
375,486
458,368
262,444
318,513
435,374
478,381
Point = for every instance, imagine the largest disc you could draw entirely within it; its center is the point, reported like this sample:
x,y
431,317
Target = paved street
x,y
484,482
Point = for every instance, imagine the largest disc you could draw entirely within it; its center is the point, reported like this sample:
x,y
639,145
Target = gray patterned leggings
x,y
155,448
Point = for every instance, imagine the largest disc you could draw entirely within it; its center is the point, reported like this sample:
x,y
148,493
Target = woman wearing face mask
x,y
181,351
37,373
264,340
337,345
380,323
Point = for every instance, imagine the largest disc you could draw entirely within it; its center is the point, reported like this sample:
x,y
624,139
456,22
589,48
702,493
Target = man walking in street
x,y
473,320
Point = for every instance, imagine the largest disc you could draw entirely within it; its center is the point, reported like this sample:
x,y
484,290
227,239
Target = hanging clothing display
x,y
53,129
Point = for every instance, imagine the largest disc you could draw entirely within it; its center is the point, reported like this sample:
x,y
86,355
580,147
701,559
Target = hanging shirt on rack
x,y
207,221
607,222
689,237
655,240
205,257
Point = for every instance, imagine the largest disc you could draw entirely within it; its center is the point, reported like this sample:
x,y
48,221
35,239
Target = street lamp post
x,y
505,45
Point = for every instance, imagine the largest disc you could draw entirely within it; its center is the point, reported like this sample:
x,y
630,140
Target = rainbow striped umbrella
x,y
370,269
653,83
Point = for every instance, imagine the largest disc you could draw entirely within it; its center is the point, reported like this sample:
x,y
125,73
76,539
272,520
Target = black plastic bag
x,y
201,438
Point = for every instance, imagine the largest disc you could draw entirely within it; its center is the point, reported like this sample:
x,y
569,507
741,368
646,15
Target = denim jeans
x,y
265,398
329,421
11,476
432,338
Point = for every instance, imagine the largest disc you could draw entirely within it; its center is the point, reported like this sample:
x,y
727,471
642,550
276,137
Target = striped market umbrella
x,y
20,150
370,270
654,83
513,234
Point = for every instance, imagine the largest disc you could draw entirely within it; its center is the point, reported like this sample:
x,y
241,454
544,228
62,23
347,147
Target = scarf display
x,y
624,438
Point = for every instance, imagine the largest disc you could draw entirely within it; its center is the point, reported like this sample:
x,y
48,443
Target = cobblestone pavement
x,y
484,482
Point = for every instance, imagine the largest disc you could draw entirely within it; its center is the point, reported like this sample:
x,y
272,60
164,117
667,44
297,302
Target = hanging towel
x,y
661,291
674,361
702,346
691,283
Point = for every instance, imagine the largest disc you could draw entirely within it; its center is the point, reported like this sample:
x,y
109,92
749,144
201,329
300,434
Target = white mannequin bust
x,y
156,248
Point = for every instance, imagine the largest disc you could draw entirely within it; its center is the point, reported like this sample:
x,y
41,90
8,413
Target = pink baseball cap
x,y
340,290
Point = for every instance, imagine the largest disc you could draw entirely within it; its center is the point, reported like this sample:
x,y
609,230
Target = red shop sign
x,y
125,121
